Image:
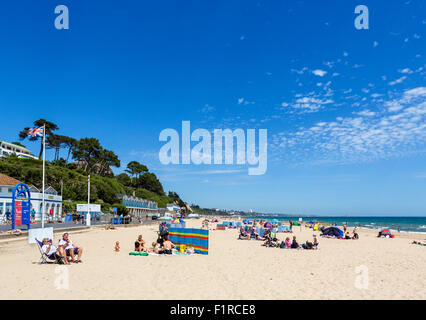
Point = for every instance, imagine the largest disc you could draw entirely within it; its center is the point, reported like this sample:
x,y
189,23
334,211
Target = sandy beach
x,y
233,269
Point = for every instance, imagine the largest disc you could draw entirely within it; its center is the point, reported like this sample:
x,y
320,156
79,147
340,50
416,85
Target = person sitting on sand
x,y
347,236
140,244
294,244
70,249
308,245
167,246
355,234
287,242
316,242
52,252
243,235
155,247
117,246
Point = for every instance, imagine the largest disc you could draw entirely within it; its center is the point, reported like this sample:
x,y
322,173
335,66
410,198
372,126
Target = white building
x,y
52,201
173,209
7,149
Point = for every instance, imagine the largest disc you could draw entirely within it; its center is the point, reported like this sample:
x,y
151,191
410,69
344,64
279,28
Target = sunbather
x,y
155,247
308,245
52,252
70,250
140,244
287,242
243,234
167,246
294,244
316,243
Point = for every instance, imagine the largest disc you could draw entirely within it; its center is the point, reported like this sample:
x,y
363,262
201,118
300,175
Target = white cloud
x,y
366,113
395,131
319,72
301,71
397,81
406,71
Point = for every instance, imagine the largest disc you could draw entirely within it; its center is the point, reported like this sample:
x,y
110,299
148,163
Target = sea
x,y
406,224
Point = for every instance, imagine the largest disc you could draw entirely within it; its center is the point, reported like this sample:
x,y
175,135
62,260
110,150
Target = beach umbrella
x,y
176,221
267,225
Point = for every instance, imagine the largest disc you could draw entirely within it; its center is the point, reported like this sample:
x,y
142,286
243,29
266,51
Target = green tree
x,y
69,143
175,198
57,142
86,152
106,160
135,168
124,179
50,127
149,181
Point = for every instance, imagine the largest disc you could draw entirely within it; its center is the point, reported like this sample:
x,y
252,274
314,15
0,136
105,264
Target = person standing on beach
x,y
399,229
291,225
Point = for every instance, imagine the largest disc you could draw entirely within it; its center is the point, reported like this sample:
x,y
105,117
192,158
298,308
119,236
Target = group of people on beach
x,y
269,239
163,245
65,252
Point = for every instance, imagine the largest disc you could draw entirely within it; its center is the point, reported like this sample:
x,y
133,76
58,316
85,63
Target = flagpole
x,y
44,160
88,202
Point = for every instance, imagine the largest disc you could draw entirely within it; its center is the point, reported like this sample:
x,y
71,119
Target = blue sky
x,y
344,108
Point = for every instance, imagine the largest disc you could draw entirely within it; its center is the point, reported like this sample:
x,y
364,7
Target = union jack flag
x,y
35,132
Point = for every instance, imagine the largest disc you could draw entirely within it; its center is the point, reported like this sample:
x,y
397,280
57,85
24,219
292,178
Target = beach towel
x,y
137,253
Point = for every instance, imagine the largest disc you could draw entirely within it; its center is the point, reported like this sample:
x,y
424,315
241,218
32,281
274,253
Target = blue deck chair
x,y
44,257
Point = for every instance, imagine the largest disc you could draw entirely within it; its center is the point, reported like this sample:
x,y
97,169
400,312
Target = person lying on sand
x,y
70,249
14,231
418,242
140,244
52,252
110,227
